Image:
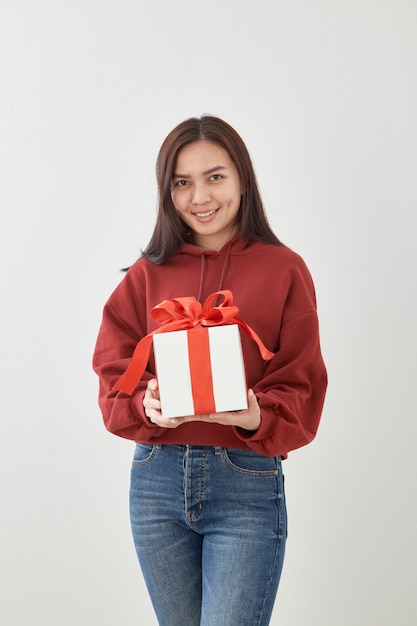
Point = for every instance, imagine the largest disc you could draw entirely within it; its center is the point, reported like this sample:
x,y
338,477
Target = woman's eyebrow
x,y
216,168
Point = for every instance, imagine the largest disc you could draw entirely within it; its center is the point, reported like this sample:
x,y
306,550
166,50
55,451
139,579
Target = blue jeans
x,y
209,526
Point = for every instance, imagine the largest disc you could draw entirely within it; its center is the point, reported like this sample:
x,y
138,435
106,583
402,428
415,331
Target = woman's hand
x,y
248,419
152,406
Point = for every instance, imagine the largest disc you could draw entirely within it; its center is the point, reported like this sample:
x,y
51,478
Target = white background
x,y
324,94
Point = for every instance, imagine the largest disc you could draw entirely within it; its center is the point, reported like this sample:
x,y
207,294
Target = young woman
x,y
207,497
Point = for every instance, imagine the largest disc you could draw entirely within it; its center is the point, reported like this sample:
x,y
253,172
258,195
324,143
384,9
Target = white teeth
x,y
207,214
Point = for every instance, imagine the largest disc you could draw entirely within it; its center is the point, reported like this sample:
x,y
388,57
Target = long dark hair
x,y
170,231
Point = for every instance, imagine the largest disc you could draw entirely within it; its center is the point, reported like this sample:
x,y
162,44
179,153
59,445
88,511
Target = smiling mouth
x,y
206,213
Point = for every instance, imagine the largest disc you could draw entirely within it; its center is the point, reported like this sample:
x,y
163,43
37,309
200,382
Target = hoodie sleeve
x,y
292,389
123,414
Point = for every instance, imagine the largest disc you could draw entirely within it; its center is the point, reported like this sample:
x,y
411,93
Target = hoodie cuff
x,y
138,411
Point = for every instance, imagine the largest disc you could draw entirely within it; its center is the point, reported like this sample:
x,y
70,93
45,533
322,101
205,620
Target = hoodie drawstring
x,y
202,277
223,274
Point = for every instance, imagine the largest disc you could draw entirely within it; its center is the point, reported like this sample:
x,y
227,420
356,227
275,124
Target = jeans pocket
x,y
251,463
144,452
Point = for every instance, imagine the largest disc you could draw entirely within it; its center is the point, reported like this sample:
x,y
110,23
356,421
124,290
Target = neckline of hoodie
x,y
237,247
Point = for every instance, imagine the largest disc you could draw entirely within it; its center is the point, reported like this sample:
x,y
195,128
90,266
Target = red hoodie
x,y
274,292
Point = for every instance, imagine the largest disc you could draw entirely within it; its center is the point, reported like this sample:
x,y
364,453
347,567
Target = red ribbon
x,y
200,370
184,314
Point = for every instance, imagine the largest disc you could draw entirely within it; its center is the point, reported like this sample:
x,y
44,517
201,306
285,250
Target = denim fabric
x,y
209,526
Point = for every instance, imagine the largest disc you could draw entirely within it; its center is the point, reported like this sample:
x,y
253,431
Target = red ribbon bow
x,y
183,314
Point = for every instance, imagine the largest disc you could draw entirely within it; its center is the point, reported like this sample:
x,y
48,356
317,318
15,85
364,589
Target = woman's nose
x,y
201,194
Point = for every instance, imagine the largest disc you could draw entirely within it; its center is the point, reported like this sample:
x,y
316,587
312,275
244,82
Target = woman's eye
x,y
181,183
216,177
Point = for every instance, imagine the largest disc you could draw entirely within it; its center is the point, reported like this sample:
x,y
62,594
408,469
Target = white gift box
x,y
208,364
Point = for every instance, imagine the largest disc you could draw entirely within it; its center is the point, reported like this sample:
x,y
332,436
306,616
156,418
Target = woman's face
x,y
206,193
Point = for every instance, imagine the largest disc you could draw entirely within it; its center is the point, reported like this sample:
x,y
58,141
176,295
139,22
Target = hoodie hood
x,y
236,245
